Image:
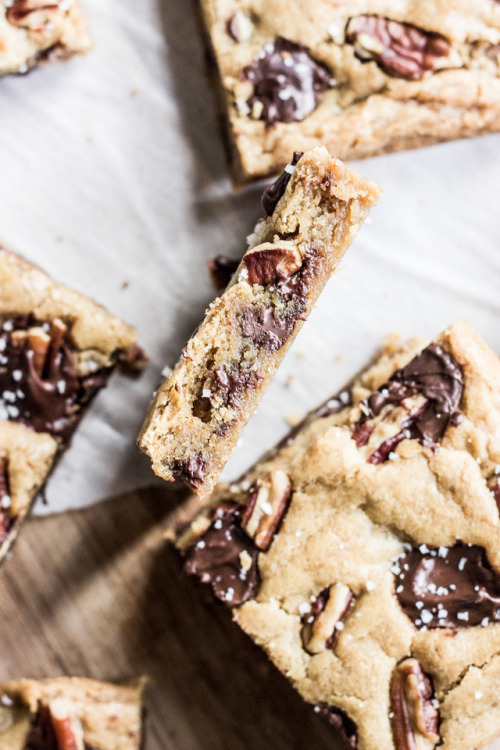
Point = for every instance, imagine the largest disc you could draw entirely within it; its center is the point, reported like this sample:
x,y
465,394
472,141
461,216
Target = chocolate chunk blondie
x,y
313,211
362,78
37,31
70,713
57,350
363,554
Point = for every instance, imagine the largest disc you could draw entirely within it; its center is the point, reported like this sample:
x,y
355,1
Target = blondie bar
x,y
70,713
364,554
57,350
37,31
313,212
362,77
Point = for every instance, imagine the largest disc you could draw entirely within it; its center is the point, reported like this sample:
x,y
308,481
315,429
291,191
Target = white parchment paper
x,y
113,179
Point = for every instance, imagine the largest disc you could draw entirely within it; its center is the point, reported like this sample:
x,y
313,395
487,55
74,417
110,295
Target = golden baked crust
x,y
199,412
353,522
371,108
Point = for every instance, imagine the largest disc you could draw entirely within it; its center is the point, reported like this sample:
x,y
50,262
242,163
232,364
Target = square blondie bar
x,y
361,77
57,350
363,554
313,212
70,713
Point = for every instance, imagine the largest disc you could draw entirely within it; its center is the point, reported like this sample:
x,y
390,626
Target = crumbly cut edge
x,y
314,170
68,36
94,702
26,290
30,457
465,669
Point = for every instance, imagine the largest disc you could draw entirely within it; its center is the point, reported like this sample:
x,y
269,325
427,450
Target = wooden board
x,y
98,593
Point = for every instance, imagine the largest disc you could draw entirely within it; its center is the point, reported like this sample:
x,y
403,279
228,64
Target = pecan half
x,y
271,264
414,718
67,727
402,50
323,623
267,505
30,13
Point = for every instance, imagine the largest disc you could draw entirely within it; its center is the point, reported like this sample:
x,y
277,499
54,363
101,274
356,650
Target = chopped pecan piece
x,y
269,264
30,13
267,505
414,718
323,623
67,727
400,49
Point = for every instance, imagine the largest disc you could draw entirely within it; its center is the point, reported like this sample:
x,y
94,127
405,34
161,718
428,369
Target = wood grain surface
x,y
98,593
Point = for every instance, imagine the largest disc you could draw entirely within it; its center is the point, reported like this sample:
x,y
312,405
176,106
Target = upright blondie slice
x,y
313,212
70,713
362,78
57,350
364,554
35,31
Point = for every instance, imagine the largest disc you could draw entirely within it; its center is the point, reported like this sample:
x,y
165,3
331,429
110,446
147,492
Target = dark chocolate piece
x,y
221,269
5,502
273,194
402,50
413,714
266,328
225,557
42,735
434,374
192,471
231,385
341,722
287,81
448,587
39,385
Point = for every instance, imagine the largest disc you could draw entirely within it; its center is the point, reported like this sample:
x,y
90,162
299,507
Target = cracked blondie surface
x,y
70,713
362,77
37,31
313,212
57,350
363,553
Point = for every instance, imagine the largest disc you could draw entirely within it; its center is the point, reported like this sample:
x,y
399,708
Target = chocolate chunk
x,y
414,719
271,265
42,735
273,194
225,557
448,587
287,82
402,50
344,726
221,269
433,374
192,471
5,501
232,385
321,626
266,328
39,385
20,10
